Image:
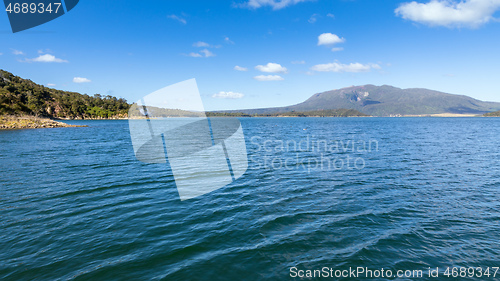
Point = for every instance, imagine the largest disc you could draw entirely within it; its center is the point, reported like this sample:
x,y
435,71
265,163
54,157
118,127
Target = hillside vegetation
x,y
23,97
493,114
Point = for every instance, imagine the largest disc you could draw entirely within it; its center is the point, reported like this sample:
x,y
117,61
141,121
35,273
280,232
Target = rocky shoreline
x,y
30,122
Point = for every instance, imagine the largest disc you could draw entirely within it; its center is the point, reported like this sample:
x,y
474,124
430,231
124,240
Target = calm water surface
x,y
75,204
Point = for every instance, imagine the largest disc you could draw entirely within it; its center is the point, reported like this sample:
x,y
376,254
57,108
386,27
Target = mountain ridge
x,y
387,100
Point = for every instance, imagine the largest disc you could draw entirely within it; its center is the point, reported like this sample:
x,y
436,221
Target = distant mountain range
x,y
20,96
386,101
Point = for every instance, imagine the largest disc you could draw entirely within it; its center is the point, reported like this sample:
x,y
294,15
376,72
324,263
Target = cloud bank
x,y
468,13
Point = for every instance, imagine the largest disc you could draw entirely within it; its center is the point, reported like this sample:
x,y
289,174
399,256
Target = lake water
x,y
392,193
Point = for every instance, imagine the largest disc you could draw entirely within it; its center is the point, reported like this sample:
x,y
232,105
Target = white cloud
x,y
298,62
51,85
329,39
339,67
203,53
1,54
313,18
272,68
46,58
240,68
268,78
330,15
228,95
194,55
17,52
201,44
177,18
81,80
207,53
337,49
275,4
450,13
227,40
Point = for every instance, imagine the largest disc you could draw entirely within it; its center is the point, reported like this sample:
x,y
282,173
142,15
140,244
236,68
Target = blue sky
x,y
285,50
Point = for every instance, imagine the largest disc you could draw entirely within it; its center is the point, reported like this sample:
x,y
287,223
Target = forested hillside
x,y
493,114
23,97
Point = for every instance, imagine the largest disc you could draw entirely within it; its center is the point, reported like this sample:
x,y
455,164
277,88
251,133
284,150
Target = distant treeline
x,y
493,114
314,113
137,111
23,97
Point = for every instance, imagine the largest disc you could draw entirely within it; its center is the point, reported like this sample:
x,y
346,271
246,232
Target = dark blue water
x,y
412,193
